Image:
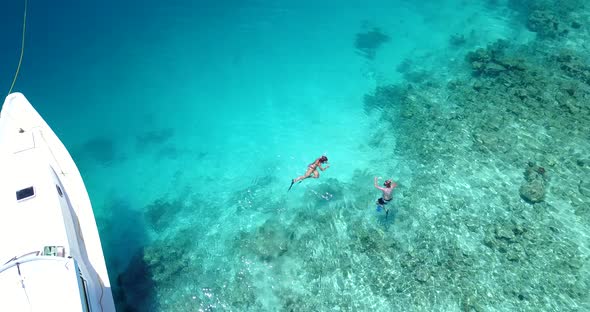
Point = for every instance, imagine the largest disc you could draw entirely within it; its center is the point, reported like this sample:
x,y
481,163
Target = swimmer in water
x,y
312,169
386,197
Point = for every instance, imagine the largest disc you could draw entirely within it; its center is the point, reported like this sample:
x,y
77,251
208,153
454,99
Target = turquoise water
x,y
188,119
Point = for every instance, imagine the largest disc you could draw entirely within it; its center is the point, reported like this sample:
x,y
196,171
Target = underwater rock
x,y
534,172
491,61
533,191
545,24
494,69
457,40
511,63
480,56
368,42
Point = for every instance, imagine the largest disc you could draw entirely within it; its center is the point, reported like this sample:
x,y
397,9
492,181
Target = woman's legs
x,y
305,176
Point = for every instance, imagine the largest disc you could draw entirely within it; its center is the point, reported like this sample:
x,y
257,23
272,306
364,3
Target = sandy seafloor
x,y
188,119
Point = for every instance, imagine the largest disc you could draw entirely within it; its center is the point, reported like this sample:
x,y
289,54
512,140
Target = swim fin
x,y
292,182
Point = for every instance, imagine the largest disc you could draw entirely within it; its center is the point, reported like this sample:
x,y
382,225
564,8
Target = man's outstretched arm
x,y
377,186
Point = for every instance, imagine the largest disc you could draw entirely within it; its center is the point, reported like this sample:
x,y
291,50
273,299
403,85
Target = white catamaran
x,y
51,258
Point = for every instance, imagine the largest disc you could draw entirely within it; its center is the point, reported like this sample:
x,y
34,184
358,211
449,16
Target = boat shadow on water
x,y
124,240
135,287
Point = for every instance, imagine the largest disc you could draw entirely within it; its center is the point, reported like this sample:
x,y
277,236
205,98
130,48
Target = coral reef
x,y
161,213
550,19
492,61
561,8
383,97
473,232
546,25
468,140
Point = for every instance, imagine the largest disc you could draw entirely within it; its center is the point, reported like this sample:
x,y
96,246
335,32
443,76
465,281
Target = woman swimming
x,y
312,169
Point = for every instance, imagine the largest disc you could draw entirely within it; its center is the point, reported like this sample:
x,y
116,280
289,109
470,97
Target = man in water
x,y
386,198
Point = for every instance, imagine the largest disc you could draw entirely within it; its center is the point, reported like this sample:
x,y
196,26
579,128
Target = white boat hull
x,y
46,222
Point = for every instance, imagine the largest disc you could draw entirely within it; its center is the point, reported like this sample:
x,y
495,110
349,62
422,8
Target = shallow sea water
x,y
189,119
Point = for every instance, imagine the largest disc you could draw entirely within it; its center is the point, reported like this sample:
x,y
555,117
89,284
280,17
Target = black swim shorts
x,y
382,201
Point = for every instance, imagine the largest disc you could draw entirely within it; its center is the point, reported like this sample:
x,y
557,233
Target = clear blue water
x,y
188,119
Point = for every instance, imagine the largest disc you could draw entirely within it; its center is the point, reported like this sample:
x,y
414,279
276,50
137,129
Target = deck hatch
x,y
25,193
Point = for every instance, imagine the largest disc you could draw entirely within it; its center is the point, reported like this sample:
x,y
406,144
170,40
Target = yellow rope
x,y
22,48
